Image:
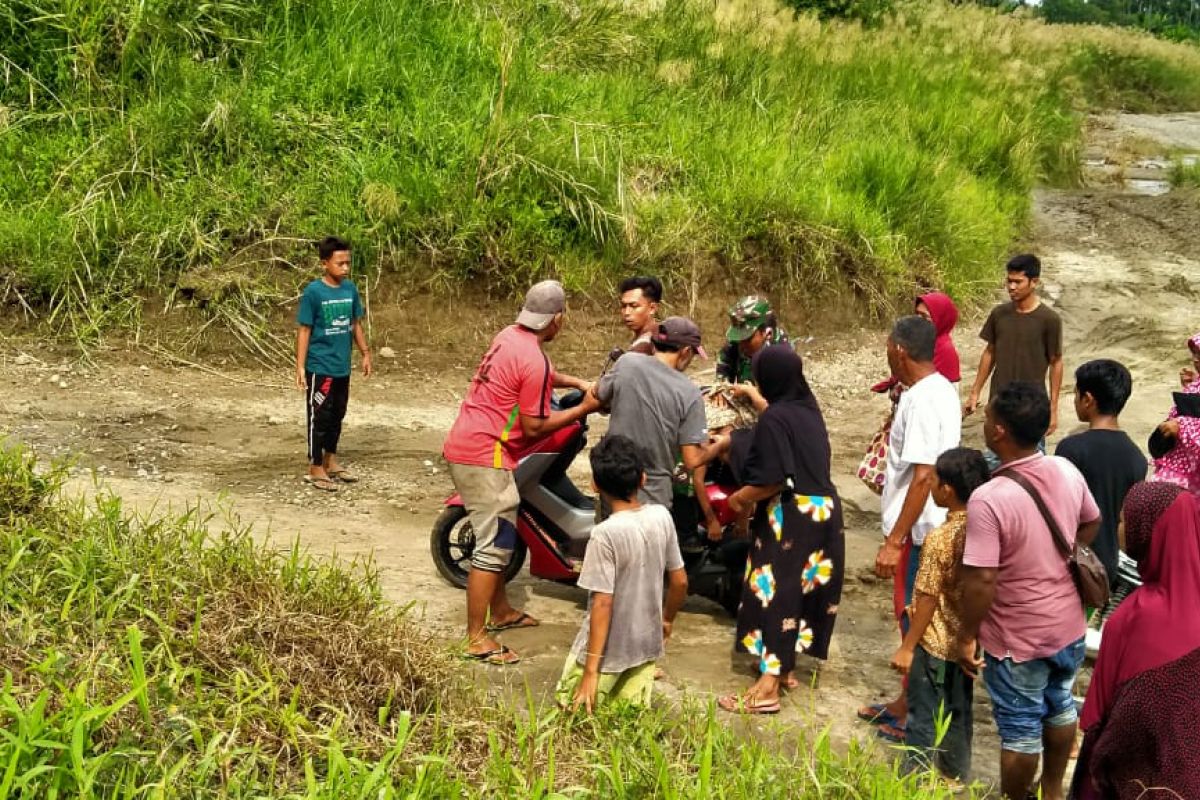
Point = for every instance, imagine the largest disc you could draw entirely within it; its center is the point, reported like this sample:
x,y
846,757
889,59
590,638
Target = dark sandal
x,y
892,733
496,657
519,622
877,714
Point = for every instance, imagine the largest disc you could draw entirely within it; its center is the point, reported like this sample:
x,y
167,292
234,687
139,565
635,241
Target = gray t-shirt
x,y
660,409
627,557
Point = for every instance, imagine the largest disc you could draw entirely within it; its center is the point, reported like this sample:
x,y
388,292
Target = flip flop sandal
x,y
877,714
522,621
345,476
324,484
736,704
892,733
502,656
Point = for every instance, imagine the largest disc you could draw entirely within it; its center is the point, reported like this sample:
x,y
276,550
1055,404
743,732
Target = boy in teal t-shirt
x,y
328,318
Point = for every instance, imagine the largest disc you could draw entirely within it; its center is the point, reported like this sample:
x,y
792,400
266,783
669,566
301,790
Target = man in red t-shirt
x,y
506,408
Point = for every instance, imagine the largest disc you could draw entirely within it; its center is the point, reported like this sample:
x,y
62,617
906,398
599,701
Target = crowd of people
x,y
984,548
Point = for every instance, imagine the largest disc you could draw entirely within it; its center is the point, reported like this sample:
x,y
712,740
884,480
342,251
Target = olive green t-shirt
x,y
1023,344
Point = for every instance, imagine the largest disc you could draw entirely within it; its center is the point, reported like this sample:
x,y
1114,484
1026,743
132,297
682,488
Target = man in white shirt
x,y
927,423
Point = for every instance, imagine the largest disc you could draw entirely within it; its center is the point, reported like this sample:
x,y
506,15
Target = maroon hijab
x,y
1141,706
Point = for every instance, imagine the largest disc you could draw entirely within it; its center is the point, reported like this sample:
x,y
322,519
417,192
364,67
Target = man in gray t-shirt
x,y
656,405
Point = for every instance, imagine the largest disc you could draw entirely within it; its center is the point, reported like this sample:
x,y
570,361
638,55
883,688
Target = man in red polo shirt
x,y
506,408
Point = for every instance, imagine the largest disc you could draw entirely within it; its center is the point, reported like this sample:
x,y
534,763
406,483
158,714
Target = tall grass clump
x,y
1186,174
162,658
145,147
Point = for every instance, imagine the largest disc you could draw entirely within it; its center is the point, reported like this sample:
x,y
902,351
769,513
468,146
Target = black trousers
x,y
325,407
938,690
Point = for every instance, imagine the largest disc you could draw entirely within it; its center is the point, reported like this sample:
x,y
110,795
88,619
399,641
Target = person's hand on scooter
x,y
590,402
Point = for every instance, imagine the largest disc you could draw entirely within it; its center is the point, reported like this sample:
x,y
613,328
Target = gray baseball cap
x,y
680,332
542,302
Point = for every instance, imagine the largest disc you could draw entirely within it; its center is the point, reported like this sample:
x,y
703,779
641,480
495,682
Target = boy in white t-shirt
x,y
627,620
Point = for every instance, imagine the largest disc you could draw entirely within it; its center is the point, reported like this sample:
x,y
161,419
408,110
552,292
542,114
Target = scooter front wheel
x,y
452,542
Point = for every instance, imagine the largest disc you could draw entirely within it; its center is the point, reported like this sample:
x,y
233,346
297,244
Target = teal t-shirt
x,y
330,311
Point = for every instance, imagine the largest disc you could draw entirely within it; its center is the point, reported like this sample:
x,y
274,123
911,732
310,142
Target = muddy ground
x,y
1122,266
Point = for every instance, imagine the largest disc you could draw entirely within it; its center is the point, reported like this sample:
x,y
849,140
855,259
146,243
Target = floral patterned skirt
x,y
793,580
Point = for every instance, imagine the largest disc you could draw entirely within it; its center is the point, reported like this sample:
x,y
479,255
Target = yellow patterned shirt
x,y
937,577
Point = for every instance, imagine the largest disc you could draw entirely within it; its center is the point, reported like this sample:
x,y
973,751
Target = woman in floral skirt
x,y
794,571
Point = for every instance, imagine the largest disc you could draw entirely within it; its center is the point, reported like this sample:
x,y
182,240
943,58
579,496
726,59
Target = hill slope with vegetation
x,y
168,660
459,141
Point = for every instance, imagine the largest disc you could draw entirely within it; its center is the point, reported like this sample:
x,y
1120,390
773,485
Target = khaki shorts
x,y
491,499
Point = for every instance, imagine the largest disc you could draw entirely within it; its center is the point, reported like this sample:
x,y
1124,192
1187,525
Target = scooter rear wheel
x,y
452,542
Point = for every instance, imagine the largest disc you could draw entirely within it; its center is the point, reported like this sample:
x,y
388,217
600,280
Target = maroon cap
x,y
679,332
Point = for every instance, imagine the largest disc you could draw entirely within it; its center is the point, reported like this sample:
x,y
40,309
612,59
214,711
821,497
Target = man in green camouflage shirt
x,y
752,326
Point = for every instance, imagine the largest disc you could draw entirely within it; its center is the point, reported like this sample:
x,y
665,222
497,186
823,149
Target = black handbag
x,y
1091,579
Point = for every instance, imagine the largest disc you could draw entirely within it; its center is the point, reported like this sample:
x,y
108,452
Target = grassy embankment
x,y
161,659
157,147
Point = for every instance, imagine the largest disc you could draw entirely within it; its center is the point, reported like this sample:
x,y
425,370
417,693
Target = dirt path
x,y
1121,268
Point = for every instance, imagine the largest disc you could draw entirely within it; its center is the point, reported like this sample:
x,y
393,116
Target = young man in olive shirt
x,y
1024,340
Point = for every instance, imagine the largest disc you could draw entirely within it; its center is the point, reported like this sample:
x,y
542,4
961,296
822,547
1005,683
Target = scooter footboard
x,y
546,560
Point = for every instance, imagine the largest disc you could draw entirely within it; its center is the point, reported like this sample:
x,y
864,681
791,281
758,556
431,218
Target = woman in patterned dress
x,y
794,571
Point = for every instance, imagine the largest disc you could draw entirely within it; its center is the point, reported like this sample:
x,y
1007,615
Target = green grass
x,y
1186,175
173,658
162,147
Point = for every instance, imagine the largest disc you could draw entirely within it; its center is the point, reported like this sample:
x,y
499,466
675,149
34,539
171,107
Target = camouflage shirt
x,y
733,367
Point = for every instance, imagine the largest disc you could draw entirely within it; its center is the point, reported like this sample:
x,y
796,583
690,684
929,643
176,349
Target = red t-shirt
x,y
514,378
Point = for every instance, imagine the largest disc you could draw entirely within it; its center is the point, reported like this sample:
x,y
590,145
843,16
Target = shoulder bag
x,y
1085,567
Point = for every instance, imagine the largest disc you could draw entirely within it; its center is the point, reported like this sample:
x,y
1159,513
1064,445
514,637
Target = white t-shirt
x,y
928,422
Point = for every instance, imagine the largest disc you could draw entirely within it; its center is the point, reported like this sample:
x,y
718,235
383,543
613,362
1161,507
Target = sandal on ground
x,y
877,714
324,484
892,733
344,475
737,704
790,684
501,656
522,620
